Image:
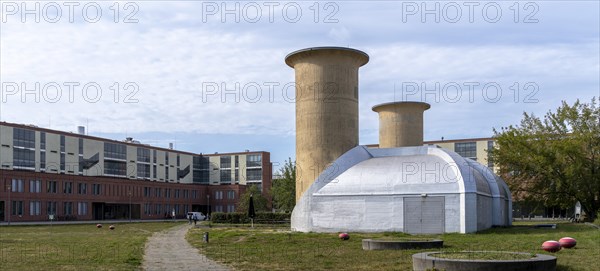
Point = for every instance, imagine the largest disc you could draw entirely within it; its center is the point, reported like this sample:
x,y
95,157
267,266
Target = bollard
x,y
205,237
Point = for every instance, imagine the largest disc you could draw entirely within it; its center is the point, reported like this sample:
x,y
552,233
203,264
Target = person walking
x,y
189,217
195,217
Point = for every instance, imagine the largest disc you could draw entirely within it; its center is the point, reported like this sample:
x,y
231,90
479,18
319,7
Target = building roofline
x,y
234,153
445,141
458,140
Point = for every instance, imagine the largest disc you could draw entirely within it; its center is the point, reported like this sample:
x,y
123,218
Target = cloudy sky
x,y
211,77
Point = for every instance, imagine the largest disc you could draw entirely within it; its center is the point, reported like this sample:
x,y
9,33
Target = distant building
x,y
74,176
473,148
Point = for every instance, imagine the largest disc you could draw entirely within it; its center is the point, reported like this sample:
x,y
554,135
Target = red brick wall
x,y
114,191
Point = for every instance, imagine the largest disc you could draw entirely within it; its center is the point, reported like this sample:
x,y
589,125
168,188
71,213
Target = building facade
x,y
477,149
73,176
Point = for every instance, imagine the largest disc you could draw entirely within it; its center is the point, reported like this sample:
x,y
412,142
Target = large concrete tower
x,y
326,108
401,124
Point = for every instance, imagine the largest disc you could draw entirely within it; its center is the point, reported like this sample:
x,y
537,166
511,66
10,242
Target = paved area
x,y
168,250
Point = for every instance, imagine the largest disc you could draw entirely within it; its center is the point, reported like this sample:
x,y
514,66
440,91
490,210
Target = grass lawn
x,y
75,247
276,248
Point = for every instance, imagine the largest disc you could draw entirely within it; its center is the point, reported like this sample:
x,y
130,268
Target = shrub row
x,y
261,217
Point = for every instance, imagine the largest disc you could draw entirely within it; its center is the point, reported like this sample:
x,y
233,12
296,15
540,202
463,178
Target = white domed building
x,y
420,190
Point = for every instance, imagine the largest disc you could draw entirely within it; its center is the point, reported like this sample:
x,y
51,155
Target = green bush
x,y
241,218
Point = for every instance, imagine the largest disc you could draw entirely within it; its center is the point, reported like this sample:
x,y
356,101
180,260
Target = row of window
x,y
35,208
168,192
230,194
24,157
35,186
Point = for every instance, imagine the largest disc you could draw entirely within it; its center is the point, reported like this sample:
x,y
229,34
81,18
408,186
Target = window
x,y
218,194
42,160
143,170
115,168
68,208
219,208
23,158
42,140
158,209
62,143
51,207
166,158
82,208
35,207
23,138
201,162
226,176
62,162
80,146
154,172
17,185
254,174
154,157
146,191
226,161
158,192
82,188
166,173
167,192
115,151
35,186
96,189
186,194
178,160
230,194
230,208
194,194
147,208
466,149
17,207
237,161
51,187
201,169
254,160
177,191
68,187
143,155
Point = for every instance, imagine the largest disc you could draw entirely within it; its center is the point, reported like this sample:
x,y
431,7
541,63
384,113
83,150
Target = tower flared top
x,y
294,57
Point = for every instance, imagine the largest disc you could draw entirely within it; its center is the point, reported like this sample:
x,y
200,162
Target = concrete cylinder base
x,y
428,261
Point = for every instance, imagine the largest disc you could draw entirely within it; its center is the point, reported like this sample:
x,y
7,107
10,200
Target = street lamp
x,y
207,204
129,193
9,204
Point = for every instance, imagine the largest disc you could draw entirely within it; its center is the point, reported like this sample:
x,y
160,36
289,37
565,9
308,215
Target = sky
x,y
210,76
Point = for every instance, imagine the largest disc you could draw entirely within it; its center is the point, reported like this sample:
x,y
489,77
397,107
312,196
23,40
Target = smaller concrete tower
x,y
401,124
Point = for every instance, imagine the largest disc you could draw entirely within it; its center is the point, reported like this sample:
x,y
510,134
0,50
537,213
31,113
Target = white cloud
x,y
171,53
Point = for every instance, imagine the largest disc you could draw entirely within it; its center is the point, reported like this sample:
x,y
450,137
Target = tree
x,y
556,159
284,187
260,202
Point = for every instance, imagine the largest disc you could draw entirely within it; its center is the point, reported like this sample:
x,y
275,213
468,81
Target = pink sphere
x,y
567,242
551,246
112,227
344,236
98,225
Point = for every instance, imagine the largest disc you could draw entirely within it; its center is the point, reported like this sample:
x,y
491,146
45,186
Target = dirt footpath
x,y
168,250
